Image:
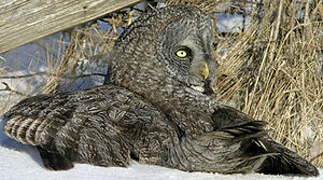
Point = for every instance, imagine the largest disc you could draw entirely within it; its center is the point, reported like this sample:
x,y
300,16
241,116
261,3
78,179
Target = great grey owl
x,y
155,108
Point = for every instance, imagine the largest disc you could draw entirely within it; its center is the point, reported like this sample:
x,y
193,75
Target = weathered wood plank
x,y
24,21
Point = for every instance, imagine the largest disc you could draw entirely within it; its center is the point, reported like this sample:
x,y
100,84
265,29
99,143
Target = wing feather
x,y
255,144
22,129
31,131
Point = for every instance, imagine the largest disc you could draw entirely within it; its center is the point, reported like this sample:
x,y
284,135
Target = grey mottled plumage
x,y
156,108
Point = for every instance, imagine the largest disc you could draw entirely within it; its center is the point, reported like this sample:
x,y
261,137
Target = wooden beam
x,y
24,21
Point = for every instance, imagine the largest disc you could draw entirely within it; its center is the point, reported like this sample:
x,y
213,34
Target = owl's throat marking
x,y
204,88
198,88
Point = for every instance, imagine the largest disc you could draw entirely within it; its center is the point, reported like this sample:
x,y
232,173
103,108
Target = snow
x,y
231,22
18,161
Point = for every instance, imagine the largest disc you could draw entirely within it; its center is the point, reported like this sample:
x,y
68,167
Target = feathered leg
x,y
54,161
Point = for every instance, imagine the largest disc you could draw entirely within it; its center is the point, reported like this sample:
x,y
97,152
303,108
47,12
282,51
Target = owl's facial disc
x,y
185,47
199,75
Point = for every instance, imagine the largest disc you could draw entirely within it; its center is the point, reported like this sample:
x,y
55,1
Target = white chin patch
x,y
198,88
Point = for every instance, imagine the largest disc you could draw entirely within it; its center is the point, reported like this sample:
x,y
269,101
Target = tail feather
x,y
285,162
274,158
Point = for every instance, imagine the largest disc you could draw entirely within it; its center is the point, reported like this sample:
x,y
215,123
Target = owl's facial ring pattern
x,y
184,46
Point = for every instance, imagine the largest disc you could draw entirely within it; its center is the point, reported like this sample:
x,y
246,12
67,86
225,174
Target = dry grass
x,y
272,70
87,41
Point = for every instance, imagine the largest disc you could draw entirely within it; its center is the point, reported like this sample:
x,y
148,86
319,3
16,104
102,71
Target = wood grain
x,y
24,21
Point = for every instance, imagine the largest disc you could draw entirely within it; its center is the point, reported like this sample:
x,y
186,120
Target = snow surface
x,y
18,161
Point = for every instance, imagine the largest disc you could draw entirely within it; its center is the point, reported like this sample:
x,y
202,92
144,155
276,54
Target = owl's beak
x,y
204,71
201,72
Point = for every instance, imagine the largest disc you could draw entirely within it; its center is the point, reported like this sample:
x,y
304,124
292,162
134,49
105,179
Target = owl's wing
x,y
255,142
226,116
67,127
37,119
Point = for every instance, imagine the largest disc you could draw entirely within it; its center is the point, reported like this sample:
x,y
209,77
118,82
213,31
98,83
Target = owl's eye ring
x,y
181,53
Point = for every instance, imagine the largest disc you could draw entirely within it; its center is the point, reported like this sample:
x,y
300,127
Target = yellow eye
x,y
181,53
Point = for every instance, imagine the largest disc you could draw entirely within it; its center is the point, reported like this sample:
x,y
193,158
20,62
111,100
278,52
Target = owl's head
x,y
185,45
170,46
